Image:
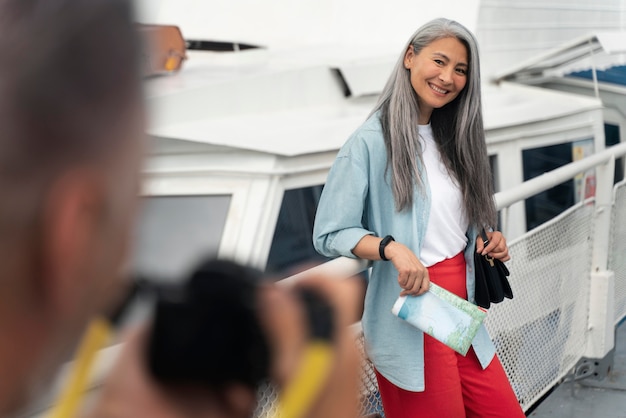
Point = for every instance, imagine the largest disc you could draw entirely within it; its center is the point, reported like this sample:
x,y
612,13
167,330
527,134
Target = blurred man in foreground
x,y
71,142
72,123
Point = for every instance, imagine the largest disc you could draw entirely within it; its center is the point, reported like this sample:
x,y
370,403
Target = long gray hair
x,y
457,128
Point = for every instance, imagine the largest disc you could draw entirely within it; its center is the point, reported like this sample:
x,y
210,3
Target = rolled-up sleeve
x,y
339,219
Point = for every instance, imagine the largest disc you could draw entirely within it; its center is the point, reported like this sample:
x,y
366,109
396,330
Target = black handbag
x,y
492,285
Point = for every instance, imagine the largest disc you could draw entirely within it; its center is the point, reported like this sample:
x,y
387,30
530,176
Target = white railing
x,y
565,300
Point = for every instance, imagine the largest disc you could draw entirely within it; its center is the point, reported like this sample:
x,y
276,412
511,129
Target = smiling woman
x,y
410,190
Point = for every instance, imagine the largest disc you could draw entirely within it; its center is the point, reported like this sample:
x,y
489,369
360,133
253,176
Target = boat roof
x,y
291,103
602,51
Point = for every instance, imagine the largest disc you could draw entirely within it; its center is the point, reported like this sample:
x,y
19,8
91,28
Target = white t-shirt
x,y
447,223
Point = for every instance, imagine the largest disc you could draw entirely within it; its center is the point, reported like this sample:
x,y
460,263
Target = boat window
x,y
546,205
493,164
611,135
292,245
174,232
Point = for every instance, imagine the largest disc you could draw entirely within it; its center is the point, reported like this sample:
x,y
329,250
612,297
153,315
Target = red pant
x,y
456,386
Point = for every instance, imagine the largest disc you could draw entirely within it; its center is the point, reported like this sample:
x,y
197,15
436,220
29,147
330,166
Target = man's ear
x,y
71,214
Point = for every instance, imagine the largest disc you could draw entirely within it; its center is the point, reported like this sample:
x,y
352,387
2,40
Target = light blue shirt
x,y
357,200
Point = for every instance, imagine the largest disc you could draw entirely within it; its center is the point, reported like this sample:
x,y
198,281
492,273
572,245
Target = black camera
x,y
208,331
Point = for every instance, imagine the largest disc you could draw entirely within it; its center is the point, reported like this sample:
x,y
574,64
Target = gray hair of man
x,y
69,75
69,71
457,128
70,97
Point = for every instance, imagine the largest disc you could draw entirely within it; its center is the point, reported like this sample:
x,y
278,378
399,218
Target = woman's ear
x,y
408,57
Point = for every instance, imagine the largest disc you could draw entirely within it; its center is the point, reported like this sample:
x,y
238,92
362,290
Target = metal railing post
x,y
601,329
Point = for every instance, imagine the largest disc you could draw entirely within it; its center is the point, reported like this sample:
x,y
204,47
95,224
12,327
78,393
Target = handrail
x,y
555,177
340,267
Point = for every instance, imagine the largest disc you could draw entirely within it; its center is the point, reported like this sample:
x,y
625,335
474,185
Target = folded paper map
x,y
442,315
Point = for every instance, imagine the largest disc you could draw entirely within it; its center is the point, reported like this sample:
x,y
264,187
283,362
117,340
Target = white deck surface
x,y
605,399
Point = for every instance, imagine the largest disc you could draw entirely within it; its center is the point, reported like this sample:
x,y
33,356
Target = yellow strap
x,y
293,402
95,337
304,388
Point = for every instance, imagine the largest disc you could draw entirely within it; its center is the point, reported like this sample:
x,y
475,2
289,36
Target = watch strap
x,y
383,244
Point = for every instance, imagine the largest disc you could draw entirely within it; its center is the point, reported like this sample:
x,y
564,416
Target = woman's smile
x,y
437,89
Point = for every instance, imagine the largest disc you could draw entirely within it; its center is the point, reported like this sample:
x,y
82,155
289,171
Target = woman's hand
x,y
496,247
412,275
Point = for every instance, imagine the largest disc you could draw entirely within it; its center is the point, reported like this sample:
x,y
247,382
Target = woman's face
x,y
438,74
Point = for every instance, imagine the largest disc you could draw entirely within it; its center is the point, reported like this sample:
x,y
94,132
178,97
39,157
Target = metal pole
x,y
594,72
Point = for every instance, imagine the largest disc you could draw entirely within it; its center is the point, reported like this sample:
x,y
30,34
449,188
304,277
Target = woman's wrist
x,y
383,247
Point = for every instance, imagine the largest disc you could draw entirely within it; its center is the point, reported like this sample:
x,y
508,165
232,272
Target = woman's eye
x,y
461,71
438,62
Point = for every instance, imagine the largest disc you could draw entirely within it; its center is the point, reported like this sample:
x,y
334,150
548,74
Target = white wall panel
x,y
510,32
288,23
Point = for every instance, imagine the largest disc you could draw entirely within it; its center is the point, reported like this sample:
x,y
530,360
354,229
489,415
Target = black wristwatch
x,y
381,247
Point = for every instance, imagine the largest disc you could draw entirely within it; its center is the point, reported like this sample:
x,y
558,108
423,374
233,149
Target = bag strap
x,y
484,236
